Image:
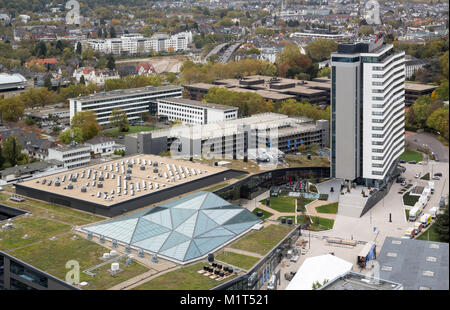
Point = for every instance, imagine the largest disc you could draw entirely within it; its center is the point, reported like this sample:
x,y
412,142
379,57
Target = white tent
x,y
318,268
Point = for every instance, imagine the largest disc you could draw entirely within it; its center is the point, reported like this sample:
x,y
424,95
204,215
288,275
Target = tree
x,y
11,109
82,81
324,72
119,119
321,49
87,122
442,225
48,82
41,49
74,134
2,159
111,62
78,50
112,32
443,63
11,150
442,90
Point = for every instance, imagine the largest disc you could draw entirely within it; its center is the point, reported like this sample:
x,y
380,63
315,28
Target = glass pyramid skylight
x,y
182,230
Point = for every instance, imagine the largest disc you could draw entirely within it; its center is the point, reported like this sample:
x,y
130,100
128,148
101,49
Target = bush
x,y
323,197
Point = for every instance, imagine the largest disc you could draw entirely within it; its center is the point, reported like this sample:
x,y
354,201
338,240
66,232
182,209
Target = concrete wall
x,y
347,121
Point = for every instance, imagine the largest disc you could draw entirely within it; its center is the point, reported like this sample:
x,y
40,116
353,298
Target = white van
x,y
433,212
414,214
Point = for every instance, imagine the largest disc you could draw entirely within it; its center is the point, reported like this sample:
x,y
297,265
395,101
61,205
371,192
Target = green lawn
x,y
318,223
411,155
52,256
430,234
185,278
65,214
262,241
239,260
216,187
114,132
426,177
410,200
265,213
35,227
281,203
329,208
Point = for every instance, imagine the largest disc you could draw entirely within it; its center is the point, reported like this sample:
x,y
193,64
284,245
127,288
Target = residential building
x,y
97,76
194,112
73,156
413,64
103,146
367,111
134,102
30,171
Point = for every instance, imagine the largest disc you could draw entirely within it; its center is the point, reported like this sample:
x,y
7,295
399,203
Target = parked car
x,y
436,177
404,183
402,161
413,162
439,174
417,175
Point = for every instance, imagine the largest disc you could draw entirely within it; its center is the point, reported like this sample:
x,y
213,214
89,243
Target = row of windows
x,y
124,97
77,159
382,76
27,274
76,153
345,59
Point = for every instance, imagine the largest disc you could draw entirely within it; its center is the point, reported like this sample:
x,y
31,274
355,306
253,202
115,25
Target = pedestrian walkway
x,y
243,252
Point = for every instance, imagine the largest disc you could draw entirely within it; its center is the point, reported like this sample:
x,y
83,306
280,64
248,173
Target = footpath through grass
x,y
114,132
262,241
239,260
52,256
185,278
411,155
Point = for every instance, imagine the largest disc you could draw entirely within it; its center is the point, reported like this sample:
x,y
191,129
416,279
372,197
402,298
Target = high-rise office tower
x,y
367,111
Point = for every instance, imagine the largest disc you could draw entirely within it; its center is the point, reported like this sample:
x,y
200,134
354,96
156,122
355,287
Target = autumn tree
x,y
321,49
11,109
74,134
87,122
119,119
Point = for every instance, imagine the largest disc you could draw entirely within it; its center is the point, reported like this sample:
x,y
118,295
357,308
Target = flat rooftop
x,y
126,92
357,281
201,104
169,173
419,87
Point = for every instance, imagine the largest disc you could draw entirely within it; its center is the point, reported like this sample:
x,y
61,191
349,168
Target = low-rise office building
x,y
134,102
233,138
72,156
414,90
194,112
103,146
270,88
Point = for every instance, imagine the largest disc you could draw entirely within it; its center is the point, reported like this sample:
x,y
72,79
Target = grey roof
x,y
98,140
32,167
357,281
126,92
416,264
197,103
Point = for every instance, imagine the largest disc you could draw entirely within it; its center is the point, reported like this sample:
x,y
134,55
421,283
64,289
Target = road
x,y
418,140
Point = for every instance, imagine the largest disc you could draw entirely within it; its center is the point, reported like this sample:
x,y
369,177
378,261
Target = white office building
x,y
367,111
134,102
73,156
195,112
